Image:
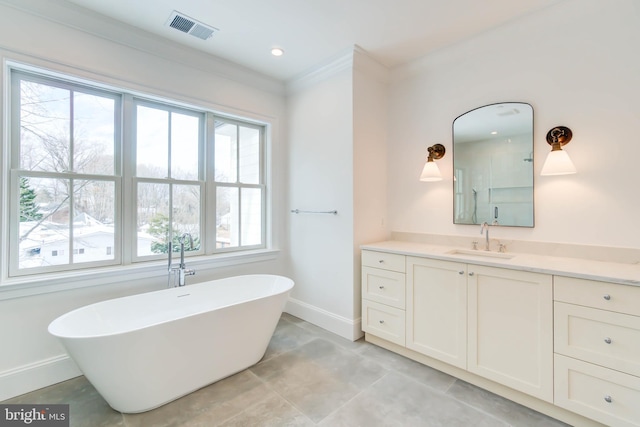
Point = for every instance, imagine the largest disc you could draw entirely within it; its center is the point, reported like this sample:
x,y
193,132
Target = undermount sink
x,y
480,253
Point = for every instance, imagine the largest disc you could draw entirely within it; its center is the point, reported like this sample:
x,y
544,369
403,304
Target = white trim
x,y
33,376
346,328
26,284
334,65
364,62
156,270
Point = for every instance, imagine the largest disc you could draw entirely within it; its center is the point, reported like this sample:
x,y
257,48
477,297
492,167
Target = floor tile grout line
x,y
363,390
445,392
280,395
251,406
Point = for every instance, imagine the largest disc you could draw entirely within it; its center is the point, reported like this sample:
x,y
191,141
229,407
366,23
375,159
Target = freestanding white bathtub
x,y
143,351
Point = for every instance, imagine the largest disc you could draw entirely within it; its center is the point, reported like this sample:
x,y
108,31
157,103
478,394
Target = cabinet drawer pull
x,y
607,340
380,287
381,321
381,261
461,272
607,297
608,399
471,274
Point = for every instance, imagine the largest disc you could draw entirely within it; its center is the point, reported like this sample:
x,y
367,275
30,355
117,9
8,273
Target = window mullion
x,y
129,189
209,204
169,147
71,132
72,208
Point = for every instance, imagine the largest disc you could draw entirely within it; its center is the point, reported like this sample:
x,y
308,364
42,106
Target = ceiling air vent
x,y
183,23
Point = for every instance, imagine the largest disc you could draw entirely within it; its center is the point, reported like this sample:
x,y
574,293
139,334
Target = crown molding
x,y
78,18
353,58
364,62
329,68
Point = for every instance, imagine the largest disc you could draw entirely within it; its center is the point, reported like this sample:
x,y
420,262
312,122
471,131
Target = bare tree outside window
x,y
65,133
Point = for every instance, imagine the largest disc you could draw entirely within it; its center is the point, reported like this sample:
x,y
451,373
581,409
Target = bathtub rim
x,y
51,327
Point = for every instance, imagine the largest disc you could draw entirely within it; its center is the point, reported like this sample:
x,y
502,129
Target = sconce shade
x,y
430,172
558,161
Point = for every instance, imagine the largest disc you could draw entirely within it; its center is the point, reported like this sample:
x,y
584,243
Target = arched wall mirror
x,y
493,165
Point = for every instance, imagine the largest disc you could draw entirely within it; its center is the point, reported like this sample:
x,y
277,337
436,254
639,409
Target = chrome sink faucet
x,y
180,271
484,228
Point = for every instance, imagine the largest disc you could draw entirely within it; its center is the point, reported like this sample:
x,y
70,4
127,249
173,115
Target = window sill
x,y
56,282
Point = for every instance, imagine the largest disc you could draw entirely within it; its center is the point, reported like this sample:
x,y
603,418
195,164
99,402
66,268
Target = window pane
x,y
251,216
153,218
94,134
44,127
44,222
227,217
184,146
249,155
186,213
93,221
152,142
226,152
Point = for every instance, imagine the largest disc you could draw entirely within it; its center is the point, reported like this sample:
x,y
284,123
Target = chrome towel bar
x,y
298,211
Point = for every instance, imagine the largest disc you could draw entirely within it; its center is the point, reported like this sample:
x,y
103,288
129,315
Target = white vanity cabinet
x,y
510,328
437,309
597,346
565,346
383,295
493,322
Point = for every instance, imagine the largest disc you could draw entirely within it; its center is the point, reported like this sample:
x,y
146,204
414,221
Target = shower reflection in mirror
x,y
493,165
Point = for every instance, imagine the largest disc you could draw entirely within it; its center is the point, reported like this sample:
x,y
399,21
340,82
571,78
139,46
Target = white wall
x,y
337,160
320,138
576,63
370,113
118,55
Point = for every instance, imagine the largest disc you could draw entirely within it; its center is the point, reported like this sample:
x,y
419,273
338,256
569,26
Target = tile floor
x,y
310,377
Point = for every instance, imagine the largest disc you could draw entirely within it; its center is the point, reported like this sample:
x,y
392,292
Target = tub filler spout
x,y
180,271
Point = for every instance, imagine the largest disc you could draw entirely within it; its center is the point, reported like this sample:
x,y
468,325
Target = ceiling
x,y
313,31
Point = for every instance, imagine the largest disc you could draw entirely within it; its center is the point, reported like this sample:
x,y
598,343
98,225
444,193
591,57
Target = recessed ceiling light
x,y
276,51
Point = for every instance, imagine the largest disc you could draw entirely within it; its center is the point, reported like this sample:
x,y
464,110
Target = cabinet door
x,y
437,309
510,328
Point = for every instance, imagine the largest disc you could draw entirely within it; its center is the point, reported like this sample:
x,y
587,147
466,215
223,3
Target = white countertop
x,y
615,272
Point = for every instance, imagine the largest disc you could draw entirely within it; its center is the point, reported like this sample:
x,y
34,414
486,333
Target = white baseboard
x,y
339,325
37,375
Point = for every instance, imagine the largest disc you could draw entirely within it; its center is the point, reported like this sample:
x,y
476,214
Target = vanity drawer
x,y
383,321
383,286
603,295
386,261
602,394
602,337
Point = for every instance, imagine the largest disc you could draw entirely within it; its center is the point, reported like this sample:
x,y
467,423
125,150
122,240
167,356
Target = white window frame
x,y
16,173
49,279
241,185
201,182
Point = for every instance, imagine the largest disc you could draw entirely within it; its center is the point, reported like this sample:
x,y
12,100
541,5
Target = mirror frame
x,y
489,190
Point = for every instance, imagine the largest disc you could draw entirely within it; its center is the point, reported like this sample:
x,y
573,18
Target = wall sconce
x,y
430,172
558,161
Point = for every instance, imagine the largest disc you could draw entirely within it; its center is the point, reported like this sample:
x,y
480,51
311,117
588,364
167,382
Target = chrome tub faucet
x,y
180,271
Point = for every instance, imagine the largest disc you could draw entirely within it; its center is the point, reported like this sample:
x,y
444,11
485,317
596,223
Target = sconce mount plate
x,y
436,151
559,134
